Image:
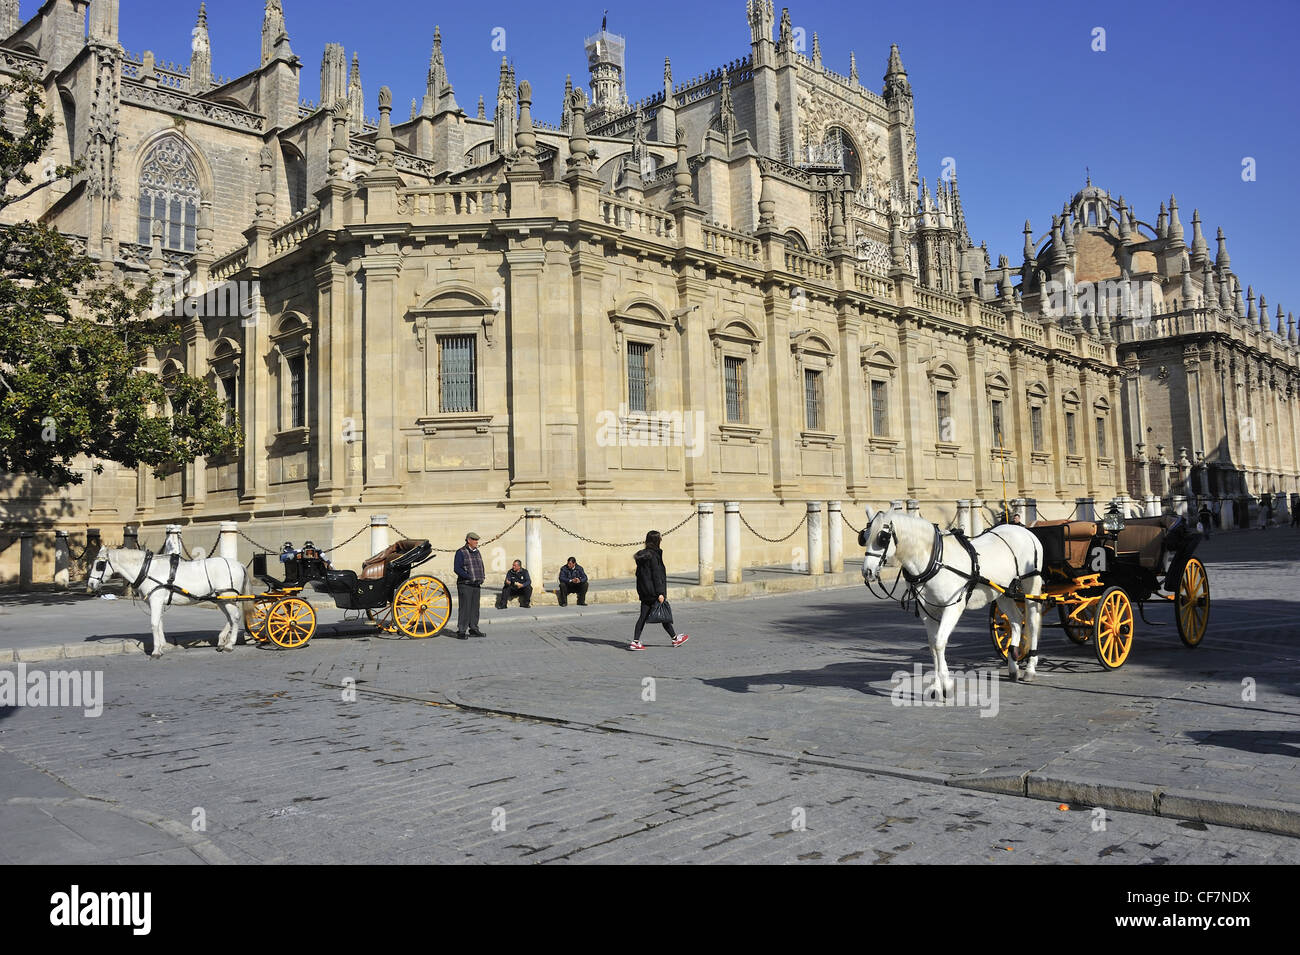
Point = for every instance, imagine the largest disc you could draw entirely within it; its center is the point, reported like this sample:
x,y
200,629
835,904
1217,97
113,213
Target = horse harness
x,y
973,579
174,561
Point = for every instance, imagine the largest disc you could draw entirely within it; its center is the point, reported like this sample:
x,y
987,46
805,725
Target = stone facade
x,y
737,288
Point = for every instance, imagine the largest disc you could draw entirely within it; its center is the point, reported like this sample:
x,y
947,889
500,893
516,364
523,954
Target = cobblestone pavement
x,y
769,737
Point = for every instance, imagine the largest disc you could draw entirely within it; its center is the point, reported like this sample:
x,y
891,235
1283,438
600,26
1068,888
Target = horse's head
x,y
100,571
878,538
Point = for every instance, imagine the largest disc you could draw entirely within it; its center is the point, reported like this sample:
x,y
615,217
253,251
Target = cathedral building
x,y
738,287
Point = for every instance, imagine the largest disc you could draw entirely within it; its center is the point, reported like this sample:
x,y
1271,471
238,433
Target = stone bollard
x,y
1227,517
731,521
228,540
378,533
835,535
131,537
897,505
26,558
62,559
976,516
1020,509
1031,511
815,563
172,541
1085,509
913,507
533,546
704,517
963,517
1180,505
1151,506
93,544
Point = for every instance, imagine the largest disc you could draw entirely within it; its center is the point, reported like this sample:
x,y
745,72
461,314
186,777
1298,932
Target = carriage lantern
x,y
1113,522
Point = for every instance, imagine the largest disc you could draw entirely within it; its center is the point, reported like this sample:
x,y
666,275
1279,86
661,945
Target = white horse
x,y
939,570
151,576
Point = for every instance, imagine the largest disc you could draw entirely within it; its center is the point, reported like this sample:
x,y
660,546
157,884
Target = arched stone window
x,y
839,144
295,172
169,192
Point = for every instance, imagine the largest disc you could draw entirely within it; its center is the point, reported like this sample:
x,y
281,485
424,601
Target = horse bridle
x,y
883,537
105,564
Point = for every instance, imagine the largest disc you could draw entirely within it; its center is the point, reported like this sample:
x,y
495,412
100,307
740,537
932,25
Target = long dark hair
x,y
653,539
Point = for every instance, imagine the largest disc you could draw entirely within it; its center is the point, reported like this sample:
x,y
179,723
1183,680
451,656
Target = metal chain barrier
x,y
637,543
774,540
265,550
847,524
327,550
452,550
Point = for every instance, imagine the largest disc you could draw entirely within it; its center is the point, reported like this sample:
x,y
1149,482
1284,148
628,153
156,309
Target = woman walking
x,y
652,588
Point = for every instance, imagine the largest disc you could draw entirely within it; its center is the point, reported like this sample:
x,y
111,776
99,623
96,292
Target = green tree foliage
x,y
72,349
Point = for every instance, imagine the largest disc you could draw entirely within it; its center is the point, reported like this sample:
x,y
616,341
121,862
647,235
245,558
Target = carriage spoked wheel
x,y
291,622
1078,629
1000,630
1192,603
256,624
1113,627
421,607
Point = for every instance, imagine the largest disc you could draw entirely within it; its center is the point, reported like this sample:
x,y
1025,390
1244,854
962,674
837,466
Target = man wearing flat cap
x,y
469,584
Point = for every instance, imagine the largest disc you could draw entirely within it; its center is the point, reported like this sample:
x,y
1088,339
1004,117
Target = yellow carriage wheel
x,y
1077,628
256,624
1192,603
1000,630
291,623
421,607
1113,627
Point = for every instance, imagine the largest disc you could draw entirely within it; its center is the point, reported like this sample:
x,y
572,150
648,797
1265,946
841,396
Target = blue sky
x,y
1012,91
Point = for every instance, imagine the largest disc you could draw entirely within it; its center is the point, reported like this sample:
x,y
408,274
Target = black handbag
x,y
661,612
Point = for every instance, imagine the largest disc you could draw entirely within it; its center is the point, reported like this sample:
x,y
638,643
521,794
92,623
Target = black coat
x,y
651,578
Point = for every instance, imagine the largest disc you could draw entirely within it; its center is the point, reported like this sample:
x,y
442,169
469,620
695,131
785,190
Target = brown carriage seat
x,y
1144,537
374,568
1078,535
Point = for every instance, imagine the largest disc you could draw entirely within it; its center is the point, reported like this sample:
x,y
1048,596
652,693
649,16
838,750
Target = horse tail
x,y
248,614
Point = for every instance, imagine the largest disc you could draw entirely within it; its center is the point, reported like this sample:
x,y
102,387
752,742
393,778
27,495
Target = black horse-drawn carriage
x,y
399,603
1094,571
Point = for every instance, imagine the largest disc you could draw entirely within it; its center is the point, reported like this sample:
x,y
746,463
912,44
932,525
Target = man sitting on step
x,y
518,584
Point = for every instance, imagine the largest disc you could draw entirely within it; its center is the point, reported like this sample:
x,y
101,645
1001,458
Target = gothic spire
x,y
566,114
1200,251
504,119
275,38
201,55
1175,226
356,101
437,78
482,111
1029,244
853,66
1221,260
668,81
959,216
896,83
1162,223
333,75
817,50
